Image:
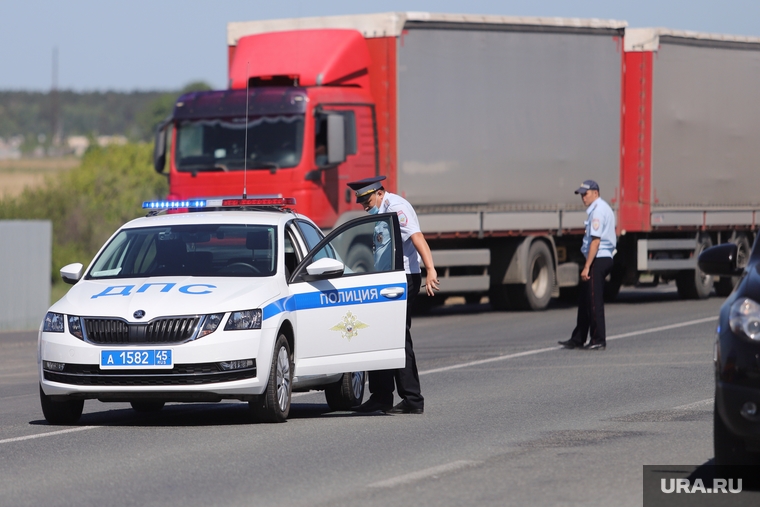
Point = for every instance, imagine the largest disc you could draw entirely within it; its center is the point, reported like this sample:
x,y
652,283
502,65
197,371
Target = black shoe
x,y
570,344
595,346
404,408
371,405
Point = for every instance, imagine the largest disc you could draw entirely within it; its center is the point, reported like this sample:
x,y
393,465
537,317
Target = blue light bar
x,y
192,203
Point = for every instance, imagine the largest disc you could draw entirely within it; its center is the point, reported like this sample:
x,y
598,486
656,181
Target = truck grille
x,y
116,331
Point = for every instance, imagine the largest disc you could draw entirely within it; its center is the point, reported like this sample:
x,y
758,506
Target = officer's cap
x,y
366,187
586,186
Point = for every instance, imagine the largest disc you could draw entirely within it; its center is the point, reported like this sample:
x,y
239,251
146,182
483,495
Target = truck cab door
x,y
346,321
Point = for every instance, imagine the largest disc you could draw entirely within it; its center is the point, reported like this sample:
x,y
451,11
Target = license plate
x,y
129,359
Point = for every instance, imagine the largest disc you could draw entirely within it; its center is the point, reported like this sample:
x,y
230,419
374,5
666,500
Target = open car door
x,y
349,321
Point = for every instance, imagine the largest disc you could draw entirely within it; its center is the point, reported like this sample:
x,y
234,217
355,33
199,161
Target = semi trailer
x,y
487,124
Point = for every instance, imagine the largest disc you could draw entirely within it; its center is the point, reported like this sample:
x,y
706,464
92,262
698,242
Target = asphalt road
x,y
510,419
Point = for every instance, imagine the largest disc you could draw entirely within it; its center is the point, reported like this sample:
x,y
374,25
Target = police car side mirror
x,y
720,260
324,269
71,273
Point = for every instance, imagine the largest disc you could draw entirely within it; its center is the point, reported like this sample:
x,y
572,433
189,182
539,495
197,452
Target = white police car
x,y
235,299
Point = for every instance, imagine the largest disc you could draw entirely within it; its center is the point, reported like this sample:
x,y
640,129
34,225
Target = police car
x,y
222,299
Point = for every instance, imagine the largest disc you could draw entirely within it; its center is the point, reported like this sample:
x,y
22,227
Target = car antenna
x,y
245,150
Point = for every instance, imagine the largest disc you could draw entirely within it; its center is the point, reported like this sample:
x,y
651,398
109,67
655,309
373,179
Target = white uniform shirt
x,y
407,219
600,224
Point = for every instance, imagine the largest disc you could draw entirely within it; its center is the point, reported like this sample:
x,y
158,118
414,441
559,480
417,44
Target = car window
x,y
313,236
189,250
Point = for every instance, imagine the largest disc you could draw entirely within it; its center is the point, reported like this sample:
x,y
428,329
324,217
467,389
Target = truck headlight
x,y
745,318
210,323
246,319
53,323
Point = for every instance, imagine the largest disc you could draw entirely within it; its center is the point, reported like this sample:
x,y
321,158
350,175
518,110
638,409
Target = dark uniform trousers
x,y
591,304
407,379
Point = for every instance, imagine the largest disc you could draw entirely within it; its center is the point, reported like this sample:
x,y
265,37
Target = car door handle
x,y
392,292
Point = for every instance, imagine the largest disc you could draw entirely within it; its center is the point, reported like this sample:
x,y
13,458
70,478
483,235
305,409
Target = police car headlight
x,y
53,323
745,318
210,323
246,319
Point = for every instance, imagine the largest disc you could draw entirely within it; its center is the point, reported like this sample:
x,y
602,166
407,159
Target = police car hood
x,y
165,296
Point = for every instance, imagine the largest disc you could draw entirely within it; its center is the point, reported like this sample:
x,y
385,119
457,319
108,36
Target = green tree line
x,y
132,114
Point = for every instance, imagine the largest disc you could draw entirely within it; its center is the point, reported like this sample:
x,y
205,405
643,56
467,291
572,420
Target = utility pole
x,y
55,124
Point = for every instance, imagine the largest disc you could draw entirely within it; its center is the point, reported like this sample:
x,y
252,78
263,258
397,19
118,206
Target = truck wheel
x,y
60,412
274,404
147,406
535,294
729,449
694,283
360,259
725,285
347,393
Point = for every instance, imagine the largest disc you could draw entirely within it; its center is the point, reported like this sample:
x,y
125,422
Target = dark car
x,y
737,356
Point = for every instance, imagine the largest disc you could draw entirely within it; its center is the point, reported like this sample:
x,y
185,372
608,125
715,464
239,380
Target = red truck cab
x,y
298,119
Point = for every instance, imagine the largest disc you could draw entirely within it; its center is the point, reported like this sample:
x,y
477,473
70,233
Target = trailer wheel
x,y
535,294
360,259
725,285
694,283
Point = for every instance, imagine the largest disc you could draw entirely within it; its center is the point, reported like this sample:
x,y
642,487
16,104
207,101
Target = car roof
x,y
215,217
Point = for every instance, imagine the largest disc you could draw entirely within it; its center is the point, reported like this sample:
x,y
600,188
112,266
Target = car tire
x,y
147,406
536,294
360,259
729,449
694,283
347,393
725,285
274,404
60,412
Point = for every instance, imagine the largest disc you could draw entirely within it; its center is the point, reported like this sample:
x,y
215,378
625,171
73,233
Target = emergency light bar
x,y
219,203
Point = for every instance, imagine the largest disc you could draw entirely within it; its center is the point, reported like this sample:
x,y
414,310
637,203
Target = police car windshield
x,y
274,142
189,250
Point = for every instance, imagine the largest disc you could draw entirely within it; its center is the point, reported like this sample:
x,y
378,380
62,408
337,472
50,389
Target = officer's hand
x,y
431,284
584,275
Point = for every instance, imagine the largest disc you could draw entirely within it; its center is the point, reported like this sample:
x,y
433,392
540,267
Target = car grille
x,y
180,375
115,331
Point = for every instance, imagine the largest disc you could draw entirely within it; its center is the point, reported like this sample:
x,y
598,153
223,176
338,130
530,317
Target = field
x,y
15,175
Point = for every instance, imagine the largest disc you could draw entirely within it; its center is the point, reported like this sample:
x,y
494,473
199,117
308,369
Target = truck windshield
x,y
189,250
274,142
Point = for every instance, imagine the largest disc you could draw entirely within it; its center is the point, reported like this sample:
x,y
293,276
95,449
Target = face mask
x,y
373,210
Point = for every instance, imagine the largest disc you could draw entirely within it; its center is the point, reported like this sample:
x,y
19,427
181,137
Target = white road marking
x,y
548,349
48,434
424,474
696,404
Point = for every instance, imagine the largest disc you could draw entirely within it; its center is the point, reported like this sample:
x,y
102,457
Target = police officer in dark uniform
x,y
598,248
375,199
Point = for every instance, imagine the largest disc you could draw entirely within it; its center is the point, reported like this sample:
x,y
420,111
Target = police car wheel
x,y
274,404
347,393
729,449
60,412
147,406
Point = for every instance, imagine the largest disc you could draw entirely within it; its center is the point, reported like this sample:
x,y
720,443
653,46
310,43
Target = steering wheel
x,y
240,267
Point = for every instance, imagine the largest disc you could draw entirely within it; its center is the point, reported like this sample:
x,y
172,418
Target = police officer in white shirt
x,y
375,199
598,248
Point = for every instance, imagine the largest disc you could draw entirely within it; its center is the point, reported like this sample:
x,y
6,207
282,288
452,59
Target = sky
x,y
126,45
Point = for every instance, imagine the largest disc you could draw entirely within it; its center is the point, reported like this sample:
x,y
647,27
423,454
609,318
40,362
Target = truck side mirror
x,y
159,148
720,260
336,139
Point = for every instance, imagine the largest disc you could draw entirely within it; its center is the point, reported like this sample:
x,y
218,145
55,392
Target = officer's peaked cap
x,y
364,188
